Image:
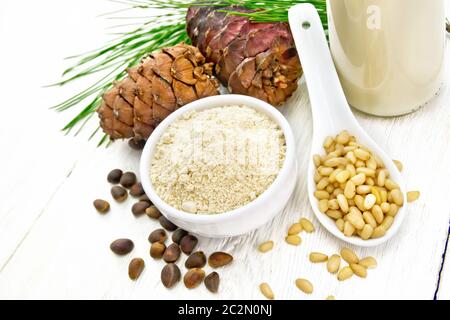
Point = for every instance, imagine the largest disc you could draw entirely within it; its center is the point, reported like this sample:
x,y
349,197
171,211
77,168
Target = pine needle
x,y
128,48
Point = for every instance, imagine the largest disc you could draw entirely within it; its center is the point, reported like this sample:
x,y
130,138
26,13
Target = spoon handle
x,y
330,109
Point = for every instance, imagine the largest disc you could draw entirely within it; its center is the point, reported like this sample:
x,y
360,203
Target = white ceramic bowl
x,y
241,220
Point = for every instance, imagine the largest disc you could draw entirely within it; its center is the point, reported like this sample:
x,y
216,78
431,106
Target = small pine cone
x,y
160,84
255,59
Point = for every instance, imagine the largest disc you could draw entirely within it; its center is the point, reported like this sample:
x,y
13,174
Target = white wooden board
x,y
54,244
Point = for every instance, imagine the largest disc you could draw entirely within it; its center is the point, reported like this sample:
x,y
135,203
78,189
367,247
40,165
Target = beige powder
x,y
217,159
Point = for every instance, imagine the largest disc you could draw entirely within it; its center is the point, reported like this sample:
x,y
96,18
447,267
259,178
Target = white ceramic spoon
x,y
331,112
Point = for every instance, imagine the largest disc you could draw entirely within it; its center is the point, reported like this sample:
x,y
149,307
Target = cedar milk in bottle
x,y
389,53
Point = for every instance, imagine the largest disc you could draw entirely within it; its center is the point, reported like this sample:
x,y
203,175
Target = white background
x,y
54,245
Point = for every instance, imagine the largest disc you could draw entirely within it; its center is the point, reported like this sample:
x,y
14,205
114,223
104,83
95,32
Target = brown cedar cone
x,y
256,59
161,83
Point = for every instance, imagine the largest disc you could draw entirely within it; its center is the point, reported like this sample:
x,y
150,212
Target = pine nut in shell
x,y
266,290
266,246
304,285
334,263
317,257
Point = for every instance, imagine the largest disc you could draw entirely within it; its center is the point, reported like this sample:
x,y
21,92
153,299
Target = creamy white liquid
x,y
389,53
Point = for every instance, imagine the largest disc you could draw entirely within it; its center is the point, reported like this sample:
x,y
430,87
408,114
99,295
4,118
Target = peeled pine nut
x,y
377,195
323,205
370,181
342,201
381,179
363,189
335,162
333,175
296,228
294,240
328,142
330,297
334,214
369,201
323,183
391,185
329,188
342,176
397,197
359,164
393,209
359,270
355,218
384,195
387,222
266,246
317,160
385,207
350,190
366,232
317,257
378,232
325,171
368,262
349,255
371,164
340,225
304,285
368,172
351,169
307,225
358,179
412,196
343,137
266,291
349,229
359,201
369,219
398,164
362,154
351,157
320,194
333,204
345,273
334,263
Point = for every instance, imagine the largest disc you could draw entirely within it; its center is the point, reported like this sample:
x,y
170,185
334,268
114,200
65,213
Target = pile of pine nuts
x,y
354,189
355,265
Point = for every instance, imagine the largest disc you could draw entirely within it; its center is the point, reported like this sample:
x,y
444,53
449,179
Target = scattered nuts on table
x,y
193,278
266,291
119,194
170,275
212,282
102,206
114,176
219,259
128,179
122,246
135,268
266,246
304,285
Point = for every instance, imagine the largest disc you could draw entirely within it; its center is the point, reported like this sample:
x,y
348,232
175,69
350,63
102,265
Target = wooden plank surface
x,y
54,245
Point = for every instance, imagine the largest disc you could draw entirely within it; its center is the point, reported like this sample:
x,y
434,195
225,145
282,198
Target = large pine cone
x,y
160,84
256,59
